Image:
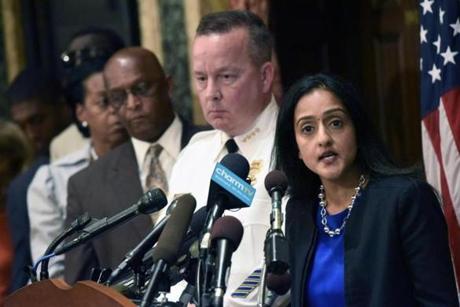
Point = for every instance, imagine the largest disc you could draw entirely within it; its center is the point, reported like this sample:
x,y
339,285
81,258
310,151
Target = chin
x,y
331,176
220,126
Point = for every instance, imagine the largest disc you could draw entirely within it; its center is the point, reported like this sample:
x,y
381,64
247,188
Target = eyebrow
x,y
325,114
228,68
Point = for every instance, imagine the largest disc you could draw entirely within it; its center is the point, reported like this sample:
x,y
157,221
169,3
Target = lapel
x,y
127,188
302,233
305,230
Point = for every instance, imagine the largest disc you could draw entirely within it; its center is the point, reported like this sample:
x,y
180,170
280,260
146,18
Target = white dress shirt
x,y
192,174
47,204
68,141
170,140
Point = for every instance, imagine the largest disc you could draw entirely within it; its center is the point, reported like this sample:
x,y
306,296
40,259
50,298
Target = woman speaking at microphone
x,y
361,231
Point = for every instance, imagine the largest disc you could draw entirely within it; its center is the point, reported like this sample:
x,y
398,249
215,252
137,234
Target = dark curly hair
x,y
83,63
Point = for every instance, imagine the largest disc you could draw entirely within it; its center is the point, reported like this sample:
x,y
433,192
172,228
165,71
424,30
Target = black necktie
x,y
231,146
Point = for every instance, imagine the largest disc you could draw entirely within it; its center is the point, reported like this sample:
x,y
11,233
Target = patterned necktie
x,y
231,146
156,176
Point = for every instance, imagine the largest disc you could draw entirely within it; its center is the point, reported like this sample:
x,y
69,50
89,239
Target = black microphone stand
x,y
76,226
134,259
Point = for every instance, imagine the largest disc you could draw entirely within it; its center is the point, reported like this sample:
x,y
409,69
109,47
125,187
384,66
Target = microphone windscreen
x,y
276,180
237,164
152,201
279,283
173,234
228,227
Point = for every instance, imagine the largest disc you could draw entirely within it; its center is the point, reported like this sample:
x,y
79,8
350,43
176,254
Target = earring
x,y
84,124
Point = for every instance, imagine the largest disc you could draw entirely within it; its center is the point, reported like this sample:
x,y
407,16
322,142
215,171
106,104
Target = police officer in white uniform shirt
x,y
233,76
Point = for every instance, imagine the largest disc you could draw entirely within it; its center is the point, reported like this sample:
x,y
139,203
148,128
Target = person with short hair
x,y
37,106
361,231
233,75
140,93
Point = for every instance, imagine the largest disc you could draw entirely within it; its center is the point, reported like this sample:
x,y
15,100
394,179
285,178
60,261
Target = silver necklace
x,y
323,205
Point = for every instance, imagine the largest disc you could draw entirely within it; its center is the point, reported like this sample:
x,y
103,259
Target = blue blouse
x,y
325,284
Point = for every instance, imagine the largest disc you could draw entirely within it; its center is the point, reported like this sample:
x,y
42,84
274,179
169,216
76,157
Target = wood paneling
x,y
372,43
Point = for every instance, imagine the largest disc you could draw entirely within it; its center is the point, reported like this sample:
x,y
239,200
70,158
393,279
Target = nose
x,y
323,136
213,91
132,101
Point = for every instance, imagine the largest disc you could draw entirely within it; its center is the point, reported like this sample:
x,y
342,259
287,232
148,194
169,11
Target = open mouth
x,y
327,155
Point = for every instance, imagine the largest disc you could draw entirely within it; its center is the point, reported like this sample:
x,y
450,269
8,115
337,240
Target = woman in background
x,y
361,231
47,194
15,155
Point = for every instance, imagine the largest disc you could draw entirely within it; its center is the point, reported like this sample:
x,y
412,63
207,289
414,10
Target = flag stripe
x,y
450,161
451,103
452,225
430,160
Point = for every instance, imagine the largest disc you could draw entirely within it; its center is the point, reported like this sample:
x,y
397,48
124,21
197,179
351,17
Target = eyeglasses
x,y
143,89
74,58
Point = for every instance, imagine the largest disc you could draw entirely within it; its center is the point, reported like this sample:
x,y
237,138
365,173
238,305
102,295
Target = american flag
x,y
440,106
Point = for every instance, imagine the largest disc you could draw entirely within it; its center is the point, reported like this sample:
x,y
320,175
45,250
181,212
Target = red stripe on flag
x,y
431,122
451,102
452,225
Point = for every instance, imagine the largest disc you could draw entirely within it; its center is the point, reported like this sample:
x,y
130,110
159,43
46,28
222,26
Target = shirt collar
x,y
169,140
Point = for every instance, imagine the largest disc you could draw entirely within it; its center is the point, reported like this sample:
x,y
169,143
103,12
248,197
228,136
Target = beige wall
x,y
150,27
13,37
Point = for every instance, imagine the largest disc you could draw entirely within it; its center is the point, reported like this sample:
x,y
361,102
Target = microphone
x,y
152,201
226,185
219,199
135,256
276,183
184,268
167,248
276,245
279,283
226,233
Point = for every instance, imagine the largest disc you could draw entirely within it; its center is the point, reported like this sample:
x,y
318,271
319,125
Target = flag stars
x,y
437,43
441,16
421,64
448,56
435,74
456,26
423,34
426,5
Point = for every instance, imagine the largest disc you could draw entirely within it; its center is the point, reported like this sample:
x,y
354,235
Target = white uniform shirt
x,y
192,174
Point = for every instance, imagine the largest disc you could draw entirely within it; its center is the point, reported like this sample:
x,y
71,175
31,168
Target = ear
x,y
300,155
80,112
267,73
